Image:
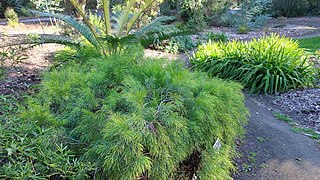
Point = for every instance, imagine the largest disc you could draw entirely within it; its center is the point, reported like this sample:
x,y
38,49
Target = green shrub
x,y
137,118
14,4
252,13
28,150
216,36
178,44
12,17
243,29
269,64
290,8
293,8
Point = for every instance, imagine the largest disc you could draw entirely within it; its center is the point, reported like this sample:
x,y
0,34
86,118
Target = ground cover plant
x,y
310,44
269,64
296,127
140,117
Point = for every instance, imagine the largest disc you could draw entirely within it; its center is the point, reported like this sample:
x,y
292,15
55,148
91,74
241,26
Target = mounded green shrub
x,y
132,117
290,8
269,64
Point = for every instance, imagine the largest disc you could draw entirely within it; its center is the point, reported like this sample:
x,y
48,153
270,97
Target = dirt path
x,y
271,151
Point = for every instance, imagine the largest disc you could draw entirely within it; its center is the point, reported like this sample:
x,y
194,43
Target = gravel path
x,y
271,151
304,106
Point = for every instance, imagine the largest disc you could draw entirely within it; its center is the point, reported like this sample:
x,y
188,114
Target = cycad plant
x,y
118,30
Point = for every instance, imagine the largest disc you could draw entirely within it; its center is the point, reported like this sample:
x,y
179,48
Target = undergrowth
x,y
269,64
124,117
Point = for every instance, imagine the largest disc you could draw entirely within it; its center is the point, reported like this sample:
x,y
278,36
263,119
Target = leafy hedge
x,y
269,64
124,118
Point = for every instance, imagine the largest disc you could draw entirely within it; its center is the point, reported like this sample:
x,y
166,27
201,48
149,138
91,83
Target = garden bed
x,y
303,105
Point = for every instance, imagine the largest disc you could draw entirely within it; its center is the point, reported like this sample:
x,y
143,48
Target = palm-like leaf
x,y
21,39
157,31
76,5
136,15
80,27
124,17
153,25
106,13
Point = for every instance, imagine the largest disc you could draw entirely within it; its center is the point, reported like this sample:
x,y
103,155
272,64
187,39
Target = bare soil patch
x,y
289,27
20,77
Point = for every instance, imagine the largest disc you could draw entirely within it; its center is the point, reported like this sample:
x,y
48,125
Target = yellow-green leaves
x,y
268,64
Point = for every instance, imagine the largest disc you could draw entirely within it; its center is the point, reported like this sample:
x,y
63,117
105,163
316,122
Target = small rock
x,y
298,159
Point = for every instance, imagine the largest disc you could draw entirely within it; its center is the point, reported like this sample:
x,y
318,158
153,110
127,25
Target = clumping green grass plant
x,y
124,117
268,64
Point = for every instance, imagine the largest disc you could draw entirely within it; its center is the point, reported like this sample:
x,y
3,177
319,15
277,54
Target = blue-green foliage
x,y
128,117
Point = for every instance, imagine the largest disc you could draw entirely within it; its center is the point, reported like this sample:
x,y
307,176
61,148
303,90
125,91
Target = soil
x,y
21,76
290,27
269,150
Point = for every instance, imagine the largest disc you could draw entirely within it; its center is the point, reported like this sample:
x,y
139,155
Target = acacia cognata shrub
x,y
133,117
269,64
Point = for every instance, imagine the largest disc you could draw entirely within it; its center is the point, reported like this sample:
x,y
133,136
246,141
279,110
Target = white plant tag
x,y
217,145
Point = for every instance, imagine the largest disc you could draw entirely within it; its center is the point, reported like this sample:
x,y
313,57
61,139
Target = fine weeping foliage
x,y
269,64
134,118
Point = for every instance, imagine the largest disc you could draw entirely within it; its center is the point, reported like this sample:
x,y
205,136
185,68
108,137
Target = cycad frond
x,y
22,39
80,27
76,5
124,17
153,25
58,39
156,32
106,13
136,15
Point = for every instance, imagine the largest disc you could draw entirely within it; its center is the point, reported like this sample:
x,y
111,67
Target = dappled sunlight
x,y
290,169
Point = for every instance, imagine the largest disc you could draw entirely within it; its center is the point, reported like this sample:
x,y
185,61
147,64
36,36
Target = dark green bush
x,y
251,13
131,117
16,5
196,13
293,8
269,64
290,8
